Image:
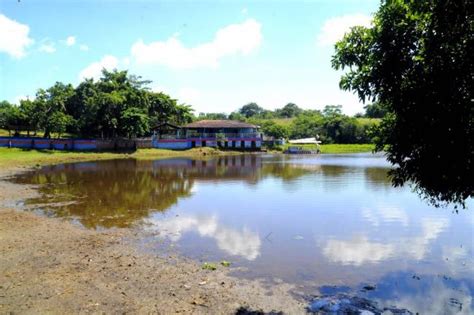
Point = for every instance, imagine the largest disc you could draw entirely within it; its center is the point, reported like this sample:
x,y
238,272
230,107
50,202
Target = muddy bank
x,y
50,265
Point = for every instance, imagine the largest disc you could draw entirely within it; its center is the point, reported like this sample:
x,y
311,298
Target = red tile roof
x,y
219,124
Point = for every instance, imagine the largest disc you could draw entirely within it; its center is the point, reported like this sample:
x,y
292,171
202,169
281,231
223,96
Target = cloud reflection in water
x,y
243,242
360,249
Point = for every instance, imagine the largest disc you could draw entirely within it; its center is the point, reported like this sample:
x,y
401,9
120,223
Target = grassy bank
x,y
346,148
15,157
335,148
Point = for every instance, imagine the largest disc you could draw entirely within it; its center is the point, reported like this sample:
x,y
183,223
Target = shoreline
x,y
15,157
57,267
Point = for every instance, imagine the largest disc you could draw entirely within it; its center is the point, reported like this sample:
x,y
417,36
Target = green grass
x,y
346,148
334,148
14,157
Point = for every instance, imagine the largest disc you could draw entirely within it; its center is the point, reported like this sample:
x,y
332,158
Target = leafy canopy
x,y
117,105
416,61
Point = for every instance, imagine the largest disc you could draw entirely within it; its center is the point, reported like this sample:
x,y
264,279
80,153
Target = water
x,y
329,224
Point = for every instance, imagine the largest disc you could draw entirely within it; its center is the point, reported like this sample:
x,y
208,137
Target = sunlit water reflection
x,y
328,223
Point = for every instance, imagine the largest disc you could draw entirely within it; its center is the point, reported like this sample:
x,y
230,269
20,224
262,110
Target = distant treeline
x,y
117,105
122,105
291,121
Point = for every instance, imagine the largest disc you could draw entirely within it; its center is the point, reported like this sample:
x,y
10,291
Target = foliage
x,y
236,116
121,105
272,129
134,122
307,125
212,116
251,110
117,105
417,60
375,110
58,122
288,111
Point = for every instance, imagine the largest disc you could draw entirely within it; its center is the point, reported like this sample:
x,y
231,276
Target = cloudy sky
x,y
214,55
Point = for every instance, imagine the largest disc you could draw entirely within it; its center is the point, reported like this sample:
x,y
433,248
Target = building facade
x,y
225,134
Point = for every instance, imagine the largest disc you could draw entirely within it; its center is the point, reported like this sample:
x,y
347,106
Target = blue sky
x,y
214,55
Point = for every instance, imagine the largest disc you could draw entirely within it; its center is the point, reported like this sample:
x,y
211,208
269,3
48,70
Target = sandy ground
x,y
52,266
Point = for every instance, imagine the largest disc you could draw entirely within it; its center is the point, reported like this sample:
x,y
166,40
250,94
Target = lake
x,y
327,223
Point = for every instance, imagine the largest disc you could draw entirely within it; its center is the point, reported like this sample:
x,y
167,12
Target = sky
x,y
214,55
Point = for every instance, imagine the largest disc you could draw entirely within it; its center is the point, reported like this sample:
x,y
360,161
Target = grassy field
x,y
15,157
335,148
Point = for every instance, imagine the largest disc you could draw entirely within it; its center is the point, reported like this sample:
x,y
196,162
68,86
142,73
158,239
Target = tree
x,y
59,121
272,129
375,110
162,108
250,110
331,111
83,109
212,116
134,122
5,112
117,105
236,116
48,103
183,114
417,60
31,118
308,125
289,110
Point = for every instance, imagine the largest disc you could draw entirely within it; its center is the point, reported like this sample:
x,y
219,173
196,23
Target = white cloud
x,y
14,37
233,39
335,28
94,70
84,47
360,250
47,48
418,247
234,242
70,41
125,61
357,251
385,213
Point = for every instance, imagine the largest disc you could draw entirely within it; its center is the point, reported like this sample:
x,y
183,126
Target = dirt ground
x,y
52,266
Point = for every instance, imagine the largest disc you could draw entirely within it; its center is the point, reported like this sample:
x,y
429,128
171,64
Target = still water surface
x,y
329,223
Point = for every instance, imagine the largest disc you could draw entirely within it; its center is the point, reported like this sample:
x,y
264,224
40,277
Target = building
x,y
228,134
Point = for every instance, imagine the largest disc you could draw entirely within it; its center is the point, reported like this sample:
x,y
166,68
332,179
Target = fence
x,y
75,144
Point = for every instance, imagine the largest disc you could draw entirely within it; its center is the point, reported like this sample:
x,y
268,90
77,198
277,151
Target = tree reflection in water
x,y
119,193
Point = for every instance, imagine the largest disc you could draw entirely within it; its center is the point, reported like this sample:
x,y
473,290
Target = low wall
x,y
182,144
171,144
74,144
